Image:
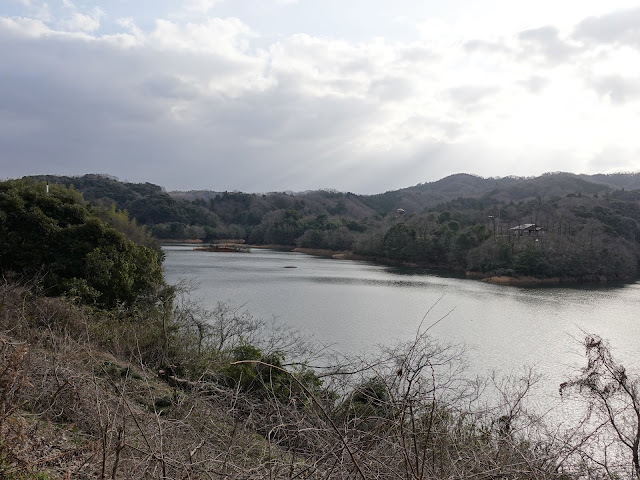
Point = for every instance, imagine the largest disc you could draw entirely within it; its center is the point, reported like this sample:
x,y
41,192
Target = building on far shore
x,y
526,228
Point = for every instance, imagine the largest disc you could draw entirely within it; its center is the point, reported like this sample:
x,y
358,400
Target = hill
x,y
586,228
131,382
53,234
506,189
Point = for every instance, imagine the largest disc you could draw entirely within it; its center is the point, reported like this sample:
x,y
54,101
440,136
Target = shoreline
x,y
522,281
528,281
189,241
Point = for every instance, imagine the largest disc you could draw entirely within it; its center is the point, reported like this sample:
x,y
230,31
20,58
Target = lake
x,y
355,306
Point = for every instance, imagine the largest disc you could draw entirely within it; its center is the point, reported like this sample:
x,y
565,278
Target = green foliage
x,y
339,209
121,221
264,375
491,257
11,470
369,398
400,242
444,217
532,262
181,231
148,204
313,239
355,226
283,228
58,237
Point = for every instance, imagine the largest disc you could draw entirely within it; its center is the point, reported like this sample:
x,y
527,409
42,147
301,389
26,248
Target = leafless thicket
x,y
71,408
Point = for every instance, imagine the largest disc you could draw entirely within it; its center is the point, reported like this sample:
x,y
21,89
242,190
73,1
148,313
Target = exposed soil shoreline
x,y
525,281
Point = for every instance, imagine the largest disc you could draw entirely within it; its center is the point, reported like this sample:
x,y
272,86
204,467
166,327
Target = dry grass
x,y
75,404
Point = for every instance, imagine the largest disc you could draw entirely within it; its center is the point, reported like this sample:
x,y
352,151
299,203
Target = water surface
x,y
355,306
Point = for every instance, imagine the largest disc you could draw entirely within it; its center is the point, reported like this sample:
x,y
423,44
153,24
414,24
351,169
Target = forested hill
x,y
587,226
415,199
210,215
51,237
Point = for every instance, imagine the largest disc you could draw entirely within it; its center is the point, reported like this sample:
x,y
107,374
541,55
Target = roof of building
x,y
527,226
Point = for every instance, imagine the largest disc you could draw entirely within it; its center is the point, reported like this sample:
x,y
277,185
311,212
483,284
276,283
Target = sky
x,y
354,95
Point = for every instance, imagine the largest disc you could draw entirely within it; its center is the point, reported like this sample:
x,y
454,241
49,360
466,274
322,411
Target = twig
x,y
316,402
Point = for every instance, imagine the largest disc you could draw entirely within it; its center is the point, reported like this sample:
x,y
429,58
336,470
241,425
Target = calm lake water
x,y
357,305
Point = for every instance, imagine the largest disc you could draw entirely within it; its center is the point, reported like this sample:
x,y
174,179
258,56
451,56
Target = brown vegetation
x,y
79,399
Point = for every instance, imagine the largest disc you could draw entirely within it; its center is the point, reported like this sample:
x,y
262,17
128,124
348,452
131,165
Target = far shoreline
x,y
523,281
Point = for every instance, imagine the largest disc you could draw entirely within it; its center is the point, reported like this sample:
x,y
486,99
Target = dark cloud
x,y
622,26
167,85
80,107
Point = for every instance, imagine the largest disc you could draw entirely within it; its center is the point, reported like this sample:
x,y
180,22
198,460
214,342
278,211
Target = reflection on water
x,y
363,281
355,306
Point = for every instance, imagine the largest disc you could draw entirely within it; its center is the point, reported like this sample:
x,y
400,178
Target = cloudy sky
x,y
357,95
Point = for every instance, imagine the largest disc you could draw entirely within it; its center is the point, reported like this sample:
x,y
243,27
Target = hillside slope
x,y
589,228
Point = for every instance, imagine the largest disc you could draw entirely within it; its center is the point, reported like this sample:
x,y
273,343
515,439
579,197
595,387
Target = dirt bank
x,y
523,281
527,281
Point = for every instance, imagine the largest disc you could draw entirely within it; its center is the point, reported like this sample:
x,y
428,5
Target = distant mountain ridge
x,y
107,188
501,189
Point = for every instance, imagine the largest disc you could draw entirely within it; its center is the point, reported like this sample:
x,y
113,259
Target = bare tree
x,y
613,406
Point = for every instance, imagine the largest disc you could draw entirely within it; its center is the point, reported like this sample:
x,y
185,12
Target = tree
x,y
400,242
613,399
57,236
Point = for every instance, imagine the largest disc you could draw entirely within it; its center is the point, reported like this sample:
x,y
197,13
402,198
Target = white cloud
x,y
546,44
535,83
26,27
199,6
213,36
79,22
469,96
618,89
264,113
613,158
622,26
38,10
